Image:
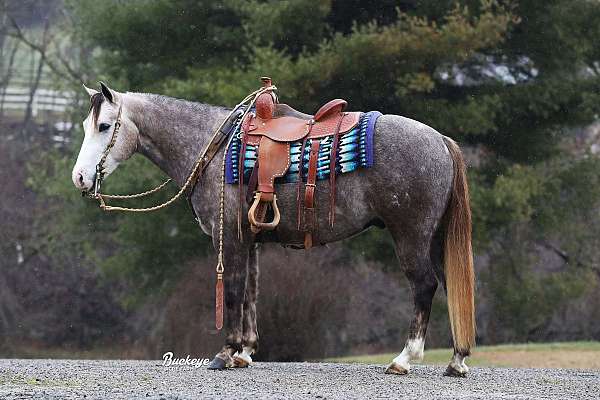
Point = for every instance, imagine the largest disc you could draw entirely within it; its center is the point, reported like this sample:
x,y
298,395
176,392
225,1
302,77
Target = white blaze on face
x,y
94,144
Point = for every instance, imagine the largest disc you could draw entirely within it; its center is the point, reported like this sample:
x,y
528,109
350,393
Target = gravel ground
x,y
68,379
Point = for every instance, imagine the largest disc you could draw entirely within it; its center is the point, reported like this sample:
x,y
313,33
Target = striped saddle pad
x,y
355,151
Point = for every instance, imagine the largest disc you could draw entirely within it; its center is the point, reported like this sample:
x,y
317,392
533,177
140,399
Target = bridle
x,y
99,176
208,153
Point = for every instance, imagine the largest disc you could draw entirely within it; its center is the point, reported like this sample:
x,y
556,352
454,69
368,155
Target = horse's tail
x,y
458,257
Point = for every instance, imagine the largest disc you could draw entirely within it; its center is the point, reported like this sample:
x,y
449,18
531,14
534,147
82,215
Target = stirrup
x,y
257,226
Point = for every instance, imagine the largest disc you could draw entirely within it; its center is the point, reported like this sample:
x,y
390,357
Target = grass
x,y
115,352
583,355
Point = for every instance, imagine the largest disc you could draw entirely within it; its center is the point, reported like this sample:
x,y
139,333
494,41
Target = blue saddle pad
x,y
355,151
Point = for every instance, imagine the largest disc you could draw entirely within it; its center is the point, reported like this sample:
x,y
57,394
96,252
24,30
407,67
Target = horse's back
x,y
412,176
409,145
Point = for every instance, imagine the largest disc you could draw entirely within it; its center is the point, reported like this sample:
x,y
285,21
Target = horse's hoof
x,y
451,371
218,364
395,369
242,360
239,362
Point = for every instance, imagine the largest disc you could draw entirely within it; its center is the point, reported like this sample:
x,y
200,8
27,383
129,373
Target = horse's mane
x,y
163,101
172,102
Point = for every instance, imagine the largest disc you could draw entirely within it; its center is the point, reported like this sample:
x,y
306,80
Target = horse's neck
x,y
172,133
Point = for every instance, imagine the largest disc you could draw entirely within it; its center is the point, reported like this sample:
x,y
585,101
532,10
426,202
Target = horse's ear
x,y
108,93
89,91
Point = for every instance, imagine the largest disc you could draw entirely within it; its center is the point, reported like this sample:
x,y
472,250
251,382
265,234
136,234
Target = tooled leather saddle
x,y
273,127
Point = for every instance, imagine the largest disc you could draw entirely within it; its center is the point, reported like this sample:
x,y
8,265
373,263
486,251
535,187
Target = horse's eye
x,y
102,127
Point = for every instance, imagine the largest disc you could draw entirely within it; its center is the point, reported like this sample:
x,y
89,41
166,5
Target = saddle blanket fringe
x,y
355,151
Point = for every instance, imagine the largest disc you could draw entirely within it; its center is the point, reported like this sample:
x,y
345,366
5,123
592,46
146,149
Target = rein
x,y
206,156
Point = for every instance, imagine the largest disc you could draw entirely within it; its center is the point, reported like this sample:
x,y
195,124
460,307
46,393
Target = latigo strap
x,y
310,222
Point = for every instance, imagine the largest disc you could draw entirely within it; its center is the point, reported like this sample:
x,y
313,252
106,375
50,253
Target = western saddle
x,y
273,127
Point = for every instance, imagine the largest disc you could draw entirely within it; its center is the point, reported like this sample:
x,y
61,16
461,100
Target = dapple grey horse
x,y
417,189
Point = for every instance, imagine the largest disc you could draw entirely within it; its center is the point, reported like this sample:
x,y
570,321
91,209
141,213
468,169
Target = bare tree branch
x,y
36,81
7,76
568,259
71,75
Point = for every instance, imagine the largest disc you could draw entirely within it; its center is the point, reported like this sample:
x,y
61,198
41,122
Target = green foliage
x,y
292,26
548,210
522,296
573,187
148,254
505,203
550,196
146,40
233,84
360,66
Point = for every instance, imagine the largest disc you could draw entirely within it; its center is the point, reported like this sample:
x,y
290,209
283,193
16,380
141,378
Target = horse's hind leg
x,y
250,330
419,270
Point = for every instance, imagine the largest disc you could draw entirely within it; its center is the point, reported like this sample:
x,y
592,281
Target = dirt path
x,y
66,379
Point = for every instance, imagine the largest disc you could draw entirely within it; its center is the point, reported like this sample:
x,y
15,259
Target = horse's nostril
x,y
80,178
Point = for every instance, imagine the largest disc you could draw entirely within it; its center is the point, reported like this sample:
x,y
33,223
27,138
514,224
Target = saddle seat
x,y
273,127
291,128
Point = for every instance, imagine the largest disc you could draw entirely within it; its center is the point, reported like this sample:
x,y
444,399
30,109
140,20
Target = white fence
x,y
44,100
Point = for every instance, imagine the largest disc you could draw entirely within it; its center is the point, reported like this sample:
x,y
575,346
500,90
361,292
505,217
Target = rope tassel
x,y
219,288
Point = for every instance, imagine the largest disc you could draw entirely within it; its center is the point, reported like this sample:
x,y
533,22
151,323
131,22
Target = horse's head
x,y
99,128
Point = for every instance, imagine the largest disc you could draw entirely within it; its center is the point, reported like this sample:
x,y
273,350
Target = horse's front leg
x,y
235,259
250,330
